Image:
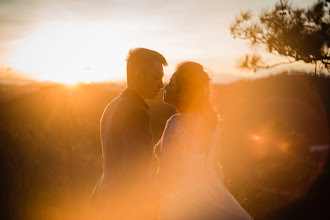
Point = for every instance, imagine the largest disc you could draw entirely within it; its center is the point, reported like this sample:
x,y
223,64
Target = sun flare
x,y
71,53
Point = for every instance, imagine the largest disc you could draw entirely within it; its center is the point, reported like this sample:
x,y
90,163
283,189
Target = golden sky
x,y
88,40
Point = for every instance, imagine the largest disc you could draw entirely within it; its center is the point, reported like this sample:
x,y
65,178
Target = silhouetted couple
x,y
186,185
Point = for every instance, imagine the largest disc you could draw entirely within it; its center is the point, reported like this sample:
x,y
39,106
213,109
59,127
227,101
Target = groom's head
x,y
145,71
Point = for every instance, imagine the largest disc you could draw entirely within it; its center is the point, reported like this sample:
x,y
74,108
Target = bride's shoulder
x,y
175,117
174,122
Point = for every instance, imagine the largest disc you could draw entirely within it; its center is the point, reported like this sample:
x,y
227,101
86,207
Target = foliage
x,y
295,33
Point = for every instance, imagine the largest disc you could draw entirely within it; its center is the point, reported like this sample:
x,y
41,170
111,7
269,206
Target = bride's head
x,y
189,90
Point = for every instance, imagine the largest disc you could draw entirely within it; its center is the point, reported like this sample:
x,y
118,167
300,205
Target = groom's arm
x,y
137,143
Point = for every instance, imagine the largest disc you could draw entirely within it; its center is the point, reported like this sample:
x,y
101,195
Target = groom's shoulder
x,y
130,105
122,105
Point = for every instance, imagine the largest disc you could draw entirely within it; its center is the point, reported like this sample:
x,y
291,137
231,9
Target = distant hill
x,y
12,77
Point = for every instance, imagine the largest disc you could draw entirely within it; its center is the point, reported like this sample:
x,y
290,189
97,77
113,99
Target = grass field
x,y
51,153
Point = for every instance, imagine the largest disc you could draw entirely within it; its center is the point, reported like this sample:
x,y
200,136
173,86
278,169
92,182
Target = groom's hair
x,y
139,59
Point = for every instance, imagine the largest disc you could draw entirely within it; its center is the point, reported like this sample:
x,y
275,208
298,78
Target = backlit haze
x,y
87,41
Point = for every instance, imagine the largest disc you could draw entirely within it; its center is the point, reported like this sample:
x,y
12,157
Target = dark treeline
x,y
275,133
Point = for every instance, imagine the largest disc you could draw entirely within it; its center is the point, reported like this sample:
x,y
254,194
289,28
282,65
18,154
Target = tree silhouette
x,y
295,33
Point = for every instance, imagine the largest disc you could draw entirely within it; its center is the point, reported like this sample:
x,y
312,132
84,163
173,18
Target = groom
x,y
125,188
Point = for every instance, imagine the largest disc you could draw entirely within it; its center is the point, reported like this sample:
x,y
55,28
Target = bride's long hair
x,y
193,83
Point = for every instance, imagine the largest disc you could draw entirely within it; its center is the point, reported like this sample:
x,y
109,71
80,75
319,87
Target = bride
x,y
190,186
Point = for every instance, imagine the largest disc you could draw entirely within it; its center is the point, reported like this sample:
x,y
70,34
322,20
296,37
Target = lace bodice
x,y
188,175
188,148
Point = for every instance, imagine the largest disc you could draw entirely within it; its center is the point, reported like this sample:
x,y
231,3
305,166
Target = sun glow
x,y
256,137
71,53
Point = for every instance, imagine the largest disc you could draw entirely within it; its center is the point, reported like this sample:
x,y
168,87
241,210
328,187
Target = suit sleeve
x,y
137,142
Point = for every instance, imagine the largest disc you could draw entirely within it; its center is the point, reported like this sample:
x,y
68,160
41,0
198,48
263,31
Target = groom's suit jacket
x,y
126,138
127,154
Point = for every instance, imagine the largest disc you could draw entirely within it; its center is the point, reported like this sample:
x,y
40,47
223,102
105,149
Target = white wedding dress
x,y
191,189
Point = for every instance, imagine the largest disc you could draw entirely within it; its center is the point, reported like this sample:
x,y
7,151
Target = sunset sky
x,y
88,40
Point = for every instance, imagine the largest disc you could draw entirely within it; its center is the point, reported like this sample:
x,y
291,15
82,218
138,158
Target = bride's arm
x,y
171,138
213,163
169,154
157,148
161,148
